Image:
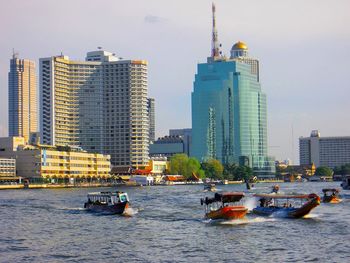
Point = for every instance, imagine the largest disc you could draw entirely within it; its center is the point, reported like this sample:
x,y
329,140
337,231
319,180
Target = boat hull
x,y
107,209
289,212
228,212
331,199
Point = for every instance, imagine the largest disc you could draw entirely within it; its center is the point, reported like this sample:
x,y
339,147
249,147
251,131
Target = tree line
x,y
212,168
339,170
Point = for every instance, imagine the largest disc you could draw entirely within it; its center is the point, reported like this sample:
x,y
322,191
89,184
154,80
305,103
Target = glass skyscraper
x,y
229,110
229,113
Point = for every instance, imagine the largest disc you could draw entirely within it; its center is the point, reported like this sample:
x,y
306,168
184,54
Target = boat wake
x,y
243,221
251,203
311,216
130,211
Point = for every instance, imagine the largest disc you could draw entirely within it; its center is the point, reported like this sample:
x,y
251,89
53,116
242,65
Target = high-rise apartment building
x,y
71,103
22,98
126,121
152,121
324,151
99,104
229,110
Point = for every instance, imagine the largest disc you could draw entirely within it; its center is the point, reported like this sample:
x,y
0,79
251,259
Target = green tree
x,y
324,171
193,166
178,164
244,173
183,165
213,169
230,171
345,169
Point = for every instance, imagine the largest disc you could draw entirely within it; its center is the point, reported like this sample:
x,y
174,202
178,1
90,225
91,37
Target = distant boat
x,y
223,206
331,195
210,187
107,202
291,206
346,182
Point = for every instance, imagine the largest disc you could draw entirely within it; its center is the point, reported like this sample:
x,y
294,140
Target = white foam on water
x,y
130,211
251,203
311,216
242,221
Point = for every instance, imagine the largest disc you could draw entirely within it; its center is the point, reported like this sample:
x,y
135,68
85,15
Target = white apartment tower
x,y
22,98
99,104
71,103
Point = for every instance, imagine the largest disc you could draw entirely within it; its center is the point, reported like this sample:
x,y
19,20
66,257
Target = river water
x,y
166,225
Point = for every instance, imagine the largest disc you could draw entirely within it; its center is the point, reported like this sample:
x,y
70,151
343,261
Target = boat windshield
x,y
330,191
108,197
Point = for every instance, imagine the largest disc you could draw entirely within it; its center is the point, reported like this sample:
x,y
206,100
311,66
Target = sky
x,y
303,48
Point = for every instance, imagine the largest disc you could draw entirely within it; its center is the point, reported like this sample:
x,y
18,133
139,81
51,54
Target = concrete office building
x,y
186,135
167,146
229,117
22,98
324,151
99,104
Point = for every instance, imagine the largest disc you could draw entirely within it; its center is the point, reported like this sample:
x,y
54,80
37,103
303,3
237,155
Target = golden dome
x,y
240,45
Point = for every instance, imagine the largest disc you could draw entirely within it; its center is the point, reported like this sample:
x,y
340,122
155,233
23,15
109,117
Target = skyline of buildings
x,y
258,65
22,98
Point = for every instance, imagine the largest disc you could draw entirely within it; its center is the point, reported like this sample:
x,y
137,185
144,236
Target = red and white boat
x,y
224,206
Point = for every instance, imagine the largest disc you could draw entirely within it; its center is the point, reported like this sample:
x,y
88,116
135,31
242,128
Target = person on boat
x,y
275,189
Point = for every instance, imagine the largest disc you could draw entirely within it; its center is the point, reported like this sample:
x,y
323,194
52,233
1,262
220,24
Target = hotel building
x,y
99,104
22,98
324,151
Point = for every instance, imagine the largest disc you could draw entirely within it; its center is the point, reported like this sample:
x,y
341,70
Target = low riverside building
x,y
55,162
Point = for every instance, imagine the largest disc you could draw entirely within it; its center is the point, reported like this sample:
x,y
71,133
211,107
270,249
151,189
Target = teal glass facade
x,y
229,116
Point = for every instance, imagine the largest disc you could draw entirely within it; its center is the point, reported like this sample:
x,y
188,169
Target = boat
x,y
346,182
107,202
210,187
331,195
291,206
223,206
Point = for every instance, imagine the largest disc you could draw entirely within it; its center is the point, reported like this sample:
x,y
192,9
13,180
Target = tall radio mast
x,y
215,46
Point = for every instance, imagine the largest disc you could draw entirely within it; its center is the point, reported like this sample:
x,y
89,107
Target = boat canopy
x,y
105,194
228,197
330,190
279,196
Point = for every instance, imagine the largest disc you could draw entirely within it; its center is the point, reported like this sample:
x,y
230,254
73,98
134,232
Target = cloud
x,y
154,19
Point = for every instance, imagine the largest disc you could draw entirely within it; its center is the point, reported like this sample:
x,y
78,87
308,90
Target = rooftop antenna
x,y
14,54
215,47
